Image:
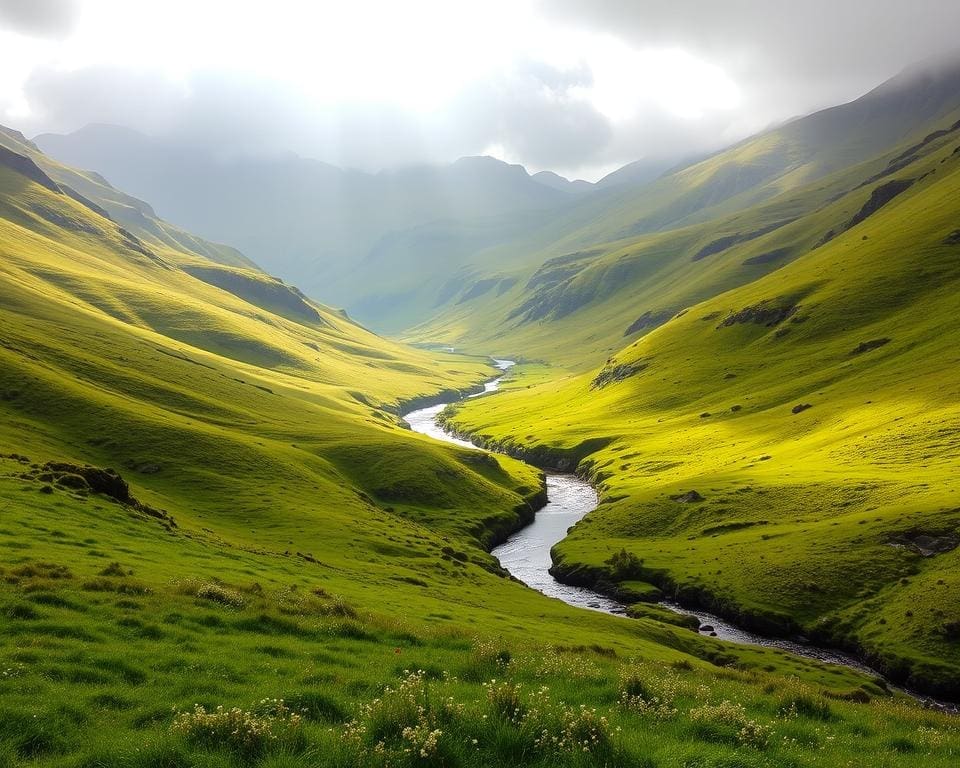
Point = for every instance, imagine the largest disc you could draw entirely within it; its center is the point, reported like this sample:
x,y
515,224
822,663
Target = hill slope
x,y
786,451
618,257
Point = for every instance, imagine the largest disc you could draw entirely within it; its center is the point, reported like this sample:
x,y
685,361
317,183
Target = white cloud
x,y
573,86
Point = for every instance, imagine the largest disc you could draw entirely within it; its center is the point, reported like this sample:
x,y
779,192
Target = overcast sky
x,y
577,86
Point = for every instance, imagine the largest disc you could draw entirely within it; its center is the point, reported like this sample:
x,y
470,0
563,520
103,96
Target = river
x,y
526,554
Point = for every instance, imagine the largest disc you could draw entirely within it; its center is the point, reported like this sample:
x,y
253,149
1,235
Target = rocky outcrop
x,y
613,372
765,313
879,198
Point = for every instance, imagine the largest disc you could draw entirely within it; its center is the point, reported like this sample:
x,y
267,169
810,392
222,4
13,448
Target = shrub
x,y
636,696
218,594
731,718
504,700
489,659
625,566
247,734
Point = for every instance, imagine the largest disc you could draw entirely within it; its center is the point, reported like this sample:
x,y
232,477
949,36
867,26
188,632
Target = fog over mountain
x,y
577,88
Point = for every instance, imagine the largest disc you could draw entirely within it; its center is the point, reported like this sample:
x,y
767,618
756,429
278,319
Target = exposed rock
x,y
612,373
926,544
867,346
953,238
879,198
800,408
736,408
705,415
649,320
690,497
105,481
763,313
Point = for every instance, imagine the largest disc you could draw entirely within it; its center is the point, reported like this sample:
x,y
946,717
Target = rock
x,y
690,497
953,238
763,313
880,196
649,320
800,408
611,373
736,408
867,346
150,469
706,628
926,544
105,481
70,480
705,415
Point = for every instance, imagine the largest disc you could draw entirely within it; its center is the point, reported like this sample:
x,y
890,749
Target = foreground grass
x,y
124,642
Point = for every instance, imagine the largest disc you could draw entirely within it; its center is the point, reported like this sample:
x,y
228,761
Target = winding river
x,y
526,554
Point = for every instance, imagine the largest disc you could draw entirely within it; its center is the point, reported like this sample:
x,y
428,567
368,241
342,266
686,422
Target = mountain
x,y
770,401
556,181
307,221
638,173
632,257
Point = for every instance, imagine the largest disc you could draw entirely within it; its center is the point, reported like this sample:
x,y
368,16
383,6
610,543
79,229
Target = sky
x,y
580,87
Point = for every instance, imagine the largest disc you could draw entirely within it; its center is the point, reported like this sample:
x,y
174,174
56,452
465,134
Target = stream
x,y
526,554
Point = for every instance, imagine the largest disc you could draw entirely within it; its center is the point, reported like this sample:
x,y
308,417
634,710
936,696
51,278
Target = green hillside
x,y
803,384
576,284
272,541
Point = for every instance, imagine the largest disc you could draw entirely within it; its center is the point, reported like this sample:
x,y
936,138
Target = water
x,y
526,554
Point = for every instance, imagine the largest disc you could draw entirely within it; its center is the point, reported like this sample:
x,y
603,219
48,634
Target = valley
x,y
701,509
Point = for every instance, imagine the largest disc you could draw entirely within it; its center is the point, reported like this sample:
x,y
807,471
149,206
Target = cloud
x,y
567,85
39,18
788,56
534,112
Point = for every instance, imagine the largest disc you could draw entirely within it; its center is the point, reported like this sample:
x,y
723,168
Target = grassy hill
x,y
782,444
632,258
272,542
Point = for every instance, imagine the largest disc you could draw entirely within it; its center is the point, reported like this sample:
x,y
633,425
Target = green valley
x,y
227,537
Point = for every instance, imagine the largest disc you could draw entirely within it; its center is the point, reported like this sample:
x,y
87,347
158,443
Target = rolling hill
x,y
779,422
637,256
